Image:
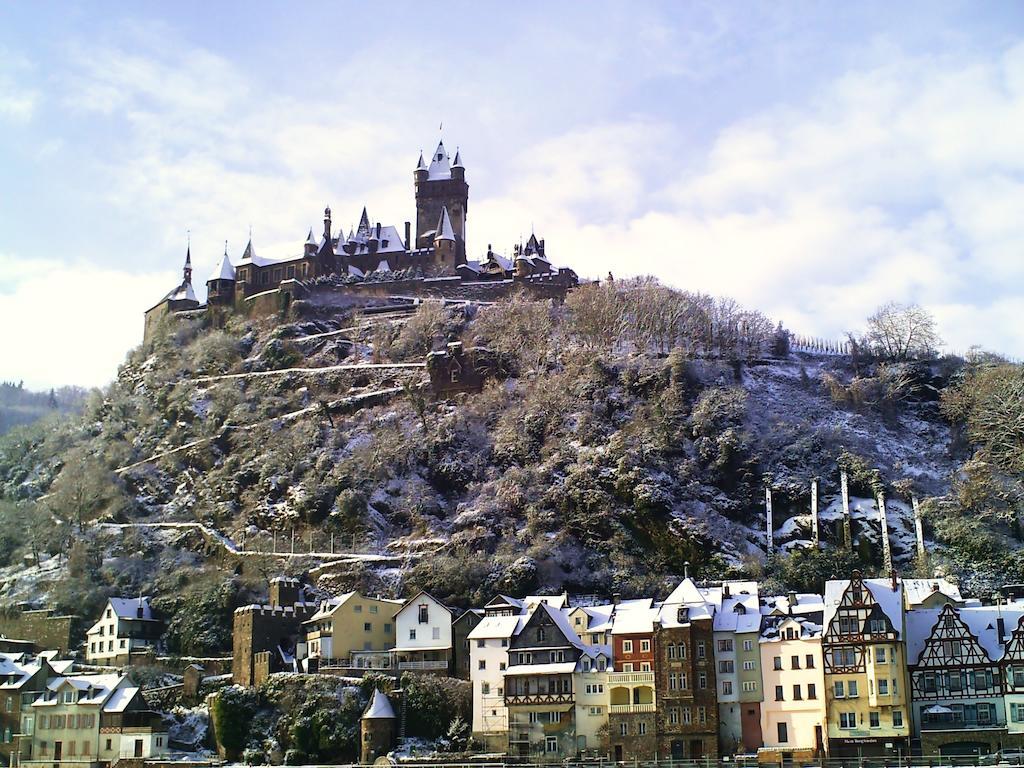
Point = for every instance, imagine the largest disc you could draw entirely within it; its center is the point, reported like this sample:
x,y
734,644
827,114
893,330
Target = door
x,y
696,749
138,747
618,753
58,750
678,749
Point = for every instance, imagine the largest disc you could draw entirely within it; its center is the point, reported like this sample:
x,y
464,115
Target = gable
x,y
542,631
951,643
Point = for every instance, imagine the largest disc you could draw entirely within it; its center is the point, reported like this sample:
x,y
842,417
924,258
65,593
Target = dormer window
x,y
69,697
423,613
683,614
739,608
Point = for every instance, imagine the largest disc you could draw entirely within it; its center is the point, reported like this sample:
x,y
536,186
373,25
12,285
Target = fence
x,y
309,542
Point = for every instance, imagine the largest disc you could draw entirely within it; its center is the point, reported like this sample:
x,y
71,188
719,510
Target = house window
x,y
883,687
504,642
702,714
645,646
702,680
367,626
541,636
778,693
641,728
749,686
783,733
108,747
880,655
673,715
482,664
839,689
725,646
681,648
701,650
873,720
501,665
809,661
645,666
748,666
727,687
687,716
795,662
777,663
726,667
485,688
69,697
623,729
851,689
797,695
373,609
683,681
877,626
435,633
670,652
627,646
479,643
412,634
159,743
812,691
357,609
673,681
551,744
387,627
897,718
847,720
424,616
748,645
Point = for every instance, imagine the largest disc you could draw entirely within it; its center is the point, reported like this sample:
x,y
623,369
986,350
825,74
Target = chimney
x,y
1001,628
892,575
686,569
792,601
409,245
725,589
935,586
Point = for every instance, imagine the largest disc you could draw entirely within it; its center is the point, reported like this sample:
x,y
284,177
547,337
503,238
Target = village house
x,y
22,678
423,636
958,685
352,632
126,627
792,667
461,629
489,643
543,660
92,719
685,679
1012,672
737,627
866,682
632,721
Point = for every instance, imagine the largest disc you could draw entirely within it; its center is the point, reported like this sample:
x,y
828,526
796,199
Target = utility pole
x,y
884,524
847,533
769,525
815,537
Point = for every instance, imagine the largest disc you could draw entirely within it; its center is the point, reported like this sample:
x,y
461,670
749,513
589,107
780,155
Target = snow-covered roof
x,y
638,621
328,607
919,590
250,257
444,226
355,271
889,600
224,270
491,627
806,602
99,686
383,266
473,265
687,592
14,674
775,627
739,613
457,163
553,668
982,621
181,293
439,167
379,708
120,699
556,601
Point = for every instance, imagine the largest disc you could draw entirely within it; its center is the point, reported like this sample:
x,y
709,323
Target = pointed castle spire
x,y
439,166
458,159
187,271
421,166
364,224
444,226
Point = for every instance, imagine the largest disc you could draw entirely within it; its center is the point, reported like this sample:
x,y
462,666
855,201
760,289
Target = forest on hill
x,y
620,438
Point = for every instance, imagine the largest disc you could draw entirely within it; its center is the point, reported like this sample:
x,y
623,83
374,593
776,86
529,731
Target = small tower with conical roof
x,y
441,184
220,287
377,729
445,243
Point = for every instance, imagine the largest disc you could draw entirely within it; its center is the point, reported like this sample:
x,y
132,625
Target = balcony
x,y
630,677
513,699
417,665
630,709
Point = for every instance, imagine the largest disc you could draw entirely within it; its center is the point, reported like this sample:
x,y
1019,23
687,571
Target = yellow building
x,y
792,668
352,631
866,682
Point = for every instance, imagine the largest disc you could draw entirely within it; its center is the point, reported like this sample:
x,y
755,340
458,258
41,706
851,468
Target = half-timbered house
x,y
955,672
865,668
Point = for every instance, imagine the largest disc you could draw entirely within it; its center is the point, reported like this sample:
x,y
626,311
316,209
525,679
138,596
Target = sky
x,y
811,160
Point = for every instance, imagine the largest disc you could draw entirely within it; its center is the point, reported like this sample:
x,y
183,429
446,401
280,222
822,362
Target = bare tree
x,y
902,331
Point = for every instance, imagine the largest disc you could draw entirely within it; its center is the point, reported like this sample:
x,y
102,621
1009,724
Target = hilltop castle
x,y
435,261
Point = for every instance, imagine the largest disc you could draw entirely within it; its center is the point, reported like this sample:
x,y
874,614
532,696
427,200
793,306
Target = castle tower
x,y
439,185
377,729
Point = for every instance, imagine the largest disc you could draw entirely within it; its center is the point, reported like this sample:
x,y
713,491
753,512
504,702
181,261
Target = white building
x,y
126,626
488,659
423,635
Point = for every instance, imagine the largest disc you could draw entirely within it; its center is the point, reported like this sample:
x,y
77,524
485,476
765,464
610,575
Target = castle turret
x,y
220,287
311,245
444,240
441,185
377,728
327,223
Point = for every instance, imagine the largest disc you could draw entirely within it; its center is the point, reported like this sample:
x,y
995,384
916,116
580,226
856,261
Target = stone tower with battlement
x,y
441,184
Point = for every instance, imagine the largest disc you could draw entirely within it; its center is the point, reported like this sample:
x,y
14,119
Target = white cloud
x,y
71,323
